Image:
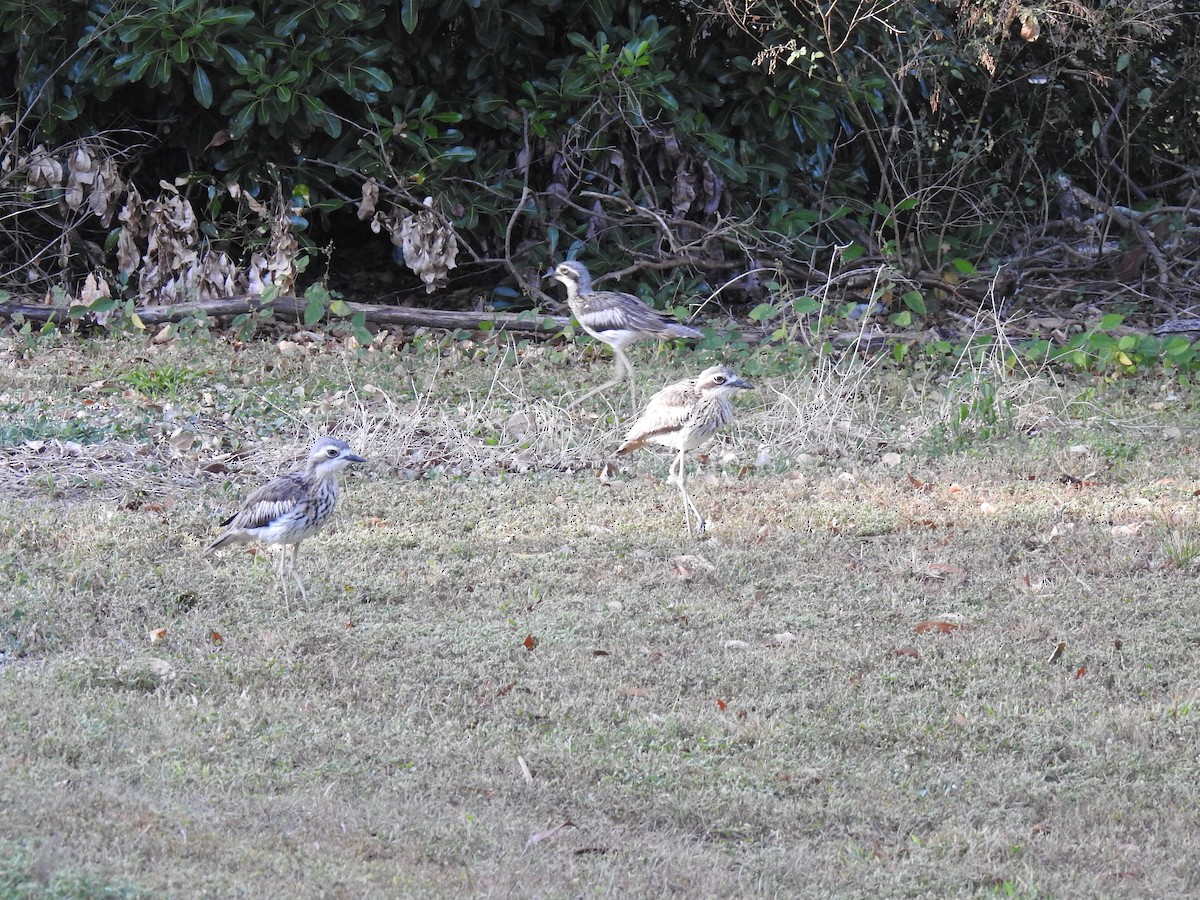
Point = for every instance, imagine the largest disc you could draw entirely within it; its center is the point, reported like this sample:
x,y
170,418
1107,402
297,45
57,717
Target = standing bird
x,y
292,507
683,416
614,318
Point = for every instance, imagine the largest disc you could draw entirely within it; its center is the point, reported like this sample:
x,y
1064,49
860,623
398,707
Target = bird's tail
x,y
679,330
224,539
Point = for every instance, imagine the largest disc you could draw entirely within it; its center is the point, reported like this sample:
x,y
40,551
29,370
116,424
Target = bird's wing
x,y
269,502
603,311
613,311
667,412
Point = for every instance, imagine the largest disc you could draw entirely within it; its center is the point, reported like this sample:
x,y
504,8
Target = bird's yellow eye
x,y
720,379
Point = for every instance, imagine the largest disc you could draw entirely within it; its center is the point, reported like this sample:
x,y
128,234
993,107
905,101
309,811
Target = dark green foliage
x,y
668,132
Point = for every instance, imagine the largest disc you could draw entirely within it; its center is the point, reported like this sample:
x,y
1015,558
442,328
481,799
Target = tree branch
x,y
293,308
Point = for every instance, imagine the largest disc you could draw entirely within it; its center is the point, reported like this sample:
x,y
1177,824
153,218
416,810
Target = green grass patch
x,y
516,677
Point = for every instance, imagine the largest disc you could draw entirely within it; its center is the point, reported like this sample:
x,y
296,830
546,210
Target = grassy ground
x,y
516,678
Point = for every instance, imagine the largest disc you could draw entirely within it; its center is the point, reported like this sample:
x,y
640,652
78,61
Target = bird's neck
x,y
316,476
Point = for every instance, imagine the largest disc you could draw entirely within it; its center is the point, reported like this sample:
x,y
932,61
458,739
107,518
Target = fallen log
x,y
293,308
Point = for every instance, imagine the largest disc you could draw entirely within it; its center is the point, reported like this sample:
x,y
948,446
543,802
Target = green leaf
x,y
459,154
853,252
330,123
964,266
202,87
234,16
408,15
339,308
762,312
577,40
914,301
527,20
804,306
242,121
314,309
358,325
377,78
139,67
1111,321
286,25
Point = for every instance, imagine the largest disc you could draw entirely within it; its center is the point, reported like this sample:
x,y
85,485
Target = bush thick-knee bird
x,y
683,416
614,318
292,507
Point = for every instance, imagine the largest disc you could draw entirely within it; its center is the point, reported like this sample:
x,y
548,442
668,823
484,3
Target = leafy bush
x,y
486,137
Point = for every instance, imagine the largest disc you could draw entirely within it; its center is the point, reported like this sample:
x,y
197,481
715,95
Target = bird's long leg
x,y
681,478
604,387
689,505
623,362
280,566
296,573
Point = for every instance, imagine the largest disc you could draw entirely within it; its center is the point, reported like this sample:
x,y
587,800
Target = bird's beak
x,y
738,383
354,457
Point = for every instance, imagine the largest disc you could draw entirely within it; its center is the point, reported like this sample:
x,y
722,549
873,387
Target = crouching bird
x,y
290,508
614,318
683,416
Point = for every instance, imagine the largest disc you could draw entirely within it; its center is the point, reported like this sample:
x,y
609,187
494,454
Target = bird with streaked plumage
x,y
291,507
614,318
683,416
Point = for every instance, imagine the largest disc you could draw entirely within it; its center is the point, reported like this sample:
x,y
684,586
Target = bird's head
x,y
329,455
574,275
721,380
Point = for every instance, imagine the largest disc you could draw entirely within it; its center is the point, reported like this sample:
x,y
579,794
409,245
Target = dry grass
x,y
754,714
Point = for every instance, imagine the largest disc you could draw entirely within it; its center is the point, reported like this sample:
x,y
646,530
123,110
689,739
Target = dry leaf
x,y
156,635
722,705
525,773
530,642
536,839
215,637
937,626
1058,652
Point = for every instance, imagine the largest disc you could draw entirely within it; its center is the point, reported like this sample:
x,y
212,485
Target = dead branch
x,y
293,308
